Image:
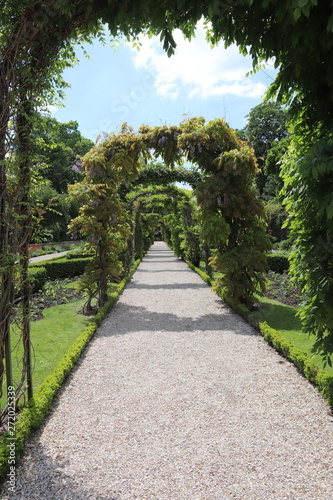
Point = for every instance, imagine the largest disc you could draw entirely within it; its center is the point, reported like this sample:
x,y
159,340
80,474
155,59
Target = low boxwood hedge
x,y
204,276
60,268
77,255
37,278
278,263
323,380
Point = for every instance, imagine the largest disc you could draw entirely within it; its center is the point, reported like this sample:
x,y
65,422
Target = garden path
x,y
48,256
178,398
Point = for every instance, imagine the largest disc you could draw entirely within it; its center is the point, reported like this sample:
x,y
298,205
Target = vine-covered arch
x,y
169,213
231,216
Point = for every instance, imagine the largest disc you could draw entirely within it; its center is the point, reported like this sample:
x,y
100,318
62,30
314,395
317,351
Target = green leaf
x,y
330,24
329,210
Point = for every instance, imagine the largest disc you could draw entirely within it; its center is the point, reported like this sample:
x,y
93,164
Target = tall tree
x,y
265,127
57,146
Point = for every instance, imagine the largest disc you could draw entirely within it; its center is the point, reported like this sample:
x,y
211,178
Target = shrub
x,y
276,216
323,380
64,268
77,255
284,245
278,263
37,278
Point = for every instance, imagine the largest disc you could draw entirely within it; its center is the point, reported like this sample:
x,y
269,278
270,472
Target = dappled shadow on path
x,y
130,319
60,485
165,249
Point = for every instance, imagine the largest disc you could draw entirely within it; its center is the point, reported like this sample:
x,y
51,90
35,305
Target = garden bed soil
x,y
54,293
281,288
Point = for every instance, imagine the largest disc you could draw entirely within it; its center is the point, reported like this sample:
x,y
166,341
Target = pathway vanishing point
x,y
178,398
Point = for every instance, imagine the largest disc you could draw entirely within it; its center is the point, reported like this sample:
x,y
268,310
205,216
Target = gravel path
x,y
178,398
48,256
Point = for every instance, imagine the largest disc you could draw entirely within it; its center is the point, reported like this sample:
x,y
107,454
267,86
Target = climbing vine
x,y
161,210
308,186
231,216
102,219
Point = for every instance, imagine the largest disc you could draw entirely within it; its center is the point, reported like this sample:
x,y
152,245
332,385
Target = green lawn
x,y
51,337
283,319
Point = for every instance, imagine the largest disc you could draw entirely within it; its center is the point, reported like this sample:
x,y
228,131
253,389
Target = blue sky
x,y
148,87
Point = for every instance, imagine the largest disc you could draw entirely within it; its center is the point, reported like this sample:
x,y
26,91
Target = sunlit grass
x,y
283,319
51,337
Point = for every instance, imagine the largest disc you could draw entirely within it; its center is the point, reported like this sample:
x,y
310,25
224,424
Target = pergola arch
x,y
139,199
232,217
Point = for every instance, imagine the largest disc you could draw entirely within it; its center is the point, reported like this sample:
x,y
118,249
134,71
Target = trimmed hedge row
x,y
323,380
76,255
241,309
278,263
38,408
57,268
61,267
204,276
37,278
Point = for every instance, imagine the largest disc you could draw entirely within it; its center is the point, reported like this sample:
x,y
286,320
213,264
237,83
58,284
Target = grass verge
x,y
280,326
283,318
51,337
33,415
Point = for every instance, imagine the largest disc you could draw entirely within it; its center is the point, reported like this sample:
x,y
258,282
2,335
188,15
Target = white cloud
x,y
197,69
52,109
48,109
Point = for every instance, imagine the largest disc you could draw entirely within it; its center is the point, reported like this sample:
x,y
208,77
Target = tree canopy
x,y
266,124
56,147
265,128
298,35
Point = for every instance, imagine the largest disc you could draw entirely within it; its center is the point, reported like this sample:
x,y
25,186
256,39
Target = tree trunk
x,y
103,276
208,267
6,257
24,121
